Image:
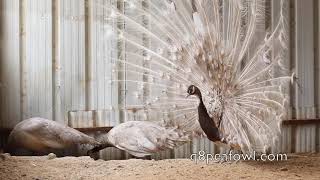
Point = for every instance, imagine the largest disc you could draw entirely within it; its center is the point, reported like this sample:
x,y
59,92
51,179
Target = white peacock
x,y
224,48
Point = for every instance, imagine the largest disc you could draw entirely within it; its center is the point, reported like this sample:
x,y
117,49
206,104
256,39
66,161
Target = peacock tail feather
x,y
226,48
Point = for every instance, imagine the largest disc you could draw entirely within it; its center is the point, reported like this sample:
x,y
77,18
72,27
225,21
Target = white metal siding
x,y
9,63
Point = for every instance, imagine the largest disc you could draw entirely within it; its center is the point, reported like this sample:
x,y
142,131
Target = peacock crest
x,y
229,49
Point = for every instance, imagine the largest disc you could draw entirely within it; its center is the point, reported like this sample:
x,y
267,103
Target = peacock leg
x,y
237,160
228,154
220,119
225,160
216,161
148,157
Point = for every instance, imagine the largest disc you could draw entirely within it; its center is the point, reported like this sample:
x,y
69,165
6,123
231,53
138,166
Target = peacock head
x,y
193,90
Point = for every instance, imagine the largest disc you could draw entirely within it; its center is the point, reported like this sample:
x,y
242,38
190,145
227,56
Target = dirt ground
x,y
302,166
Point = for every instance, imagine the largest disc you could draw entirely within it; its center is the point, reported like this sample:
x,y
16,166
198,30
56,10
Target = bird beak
x,y
187,95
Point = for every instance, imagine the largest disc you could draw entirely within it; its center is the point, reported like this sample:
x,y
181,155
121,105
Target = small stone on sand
x,y
51,156
283,169
4,156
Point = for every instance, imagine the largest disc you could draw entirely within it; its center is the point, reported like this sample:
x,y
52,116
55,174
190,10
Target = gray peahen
x,y
41,135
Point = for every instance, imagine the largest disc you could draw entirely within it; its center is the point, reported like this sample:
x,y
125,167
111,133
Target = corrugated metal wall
x,y
303,61
37,78
56,59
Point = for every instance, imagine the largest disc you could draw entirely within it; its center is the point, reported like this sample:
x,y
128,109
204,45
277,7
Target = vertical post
x,y
145,63
121,66
23,59
88,55
317,53
318,57
317,70
2,15
146,43
292,135
121,73
304,61
278,7
304,58
56,62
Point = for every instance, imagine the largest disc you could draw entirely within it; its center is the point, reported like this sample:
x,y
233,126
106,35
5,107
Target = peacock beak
x,y
187,95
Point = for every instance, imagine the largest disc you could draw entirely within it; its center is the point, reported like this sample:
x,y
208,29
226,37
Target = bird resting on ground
x,y
141,138
43,135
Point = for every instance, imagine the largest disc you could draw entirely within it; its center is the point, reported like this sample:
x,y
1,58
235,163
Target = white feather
x,y
224,49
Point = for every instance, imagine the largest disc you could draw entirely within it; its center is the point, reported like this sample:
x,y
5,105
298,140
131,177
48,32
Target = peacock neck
x,y
207,124
199,95
203,113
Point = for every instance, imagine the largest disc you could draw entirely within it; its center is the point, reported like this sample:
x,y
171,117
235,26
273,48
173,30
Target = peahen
x,y
141,138
226,50
41,135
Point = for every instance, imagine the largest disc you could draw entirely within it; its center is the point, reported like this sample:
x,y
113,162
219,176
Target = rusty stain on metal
x,y
6,131
107,128
300,121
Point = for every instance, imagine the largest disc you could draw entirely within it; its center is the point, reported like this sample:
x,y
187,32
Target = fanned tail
x,y
225,48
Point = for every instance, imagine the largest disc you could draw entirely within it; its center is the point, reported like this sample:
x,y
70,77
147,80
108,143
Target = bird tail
x,y
174,137
225,48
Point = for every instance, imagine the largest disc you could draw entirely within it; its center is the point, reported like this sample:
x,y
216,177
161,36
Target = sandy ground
x,y
296,167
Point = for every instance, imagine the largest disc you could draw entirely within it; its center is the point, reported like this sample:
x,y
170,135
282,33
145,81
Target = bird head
x,y
193,90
